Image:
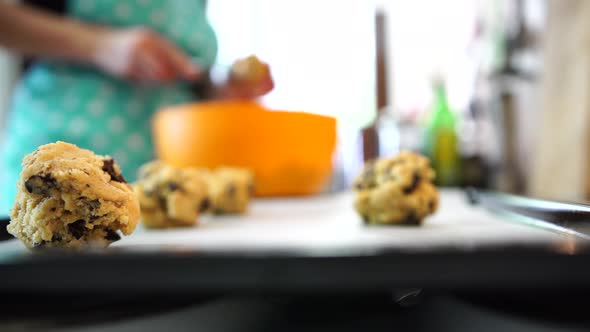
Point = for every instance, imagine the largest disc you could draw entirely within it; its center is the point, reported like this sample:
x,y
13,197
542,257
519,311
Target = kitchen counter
x,y
289,249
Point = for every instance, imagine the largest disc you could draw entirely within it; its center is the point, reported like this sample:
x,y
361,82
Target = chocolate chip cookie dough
x,y
396,190
170,196
230,190
248,70
70,197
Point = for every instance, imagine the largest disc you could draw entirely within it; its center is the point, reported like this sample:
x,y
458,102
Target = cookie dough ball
x,y
69,197
367,179
389,204
230,190
170,196
406,169
249,69
396,190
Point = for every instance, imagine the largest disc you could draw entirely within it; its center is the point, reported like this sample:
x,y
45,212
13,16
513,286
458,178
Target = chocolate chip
x,y
205,205
365,185
369,174
365,218
367,178
40,184
388,169
94,204
39,244
415,181
42,244
411,220
145,173
390,177
431,206
108,165
77,228
370,163
112,235
163,203
231,190
173,186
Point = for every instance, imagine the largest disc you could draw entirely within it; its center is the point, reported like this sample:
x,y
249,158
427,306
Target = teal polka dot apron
x,y
60,101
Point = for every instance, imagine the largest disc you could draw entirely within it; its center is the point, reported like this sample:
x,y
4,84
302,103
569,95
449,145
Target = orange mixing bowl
x,y
290,153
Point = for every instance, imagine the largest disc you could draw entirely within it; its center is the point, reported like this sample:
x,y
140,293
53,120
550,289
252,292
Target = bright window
x,y
321,52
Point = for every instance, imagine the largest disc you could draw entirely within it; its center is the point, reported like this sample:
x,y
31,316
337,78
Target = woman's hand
x,y
135,53
143,55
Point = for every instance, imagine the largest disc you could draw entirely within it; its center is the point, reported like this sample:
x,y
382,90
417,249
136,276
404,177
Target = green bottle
x,y
441,143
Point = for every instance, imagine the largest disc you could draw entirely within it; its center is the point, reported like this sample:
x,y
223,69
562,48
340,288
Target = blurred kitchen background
x,y
484,87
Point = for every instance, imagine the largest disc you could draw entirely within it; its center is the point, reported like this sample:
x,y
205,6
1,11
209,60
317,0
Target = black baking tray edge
x,y
191,271
4,235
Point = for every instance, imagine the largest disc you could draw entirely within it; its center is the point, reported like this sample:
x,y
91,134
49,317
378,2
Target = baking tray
x,y
314,245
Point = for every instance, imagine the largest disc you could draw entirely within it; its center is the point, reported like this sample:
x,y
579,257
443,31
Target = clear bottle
x,y
388,132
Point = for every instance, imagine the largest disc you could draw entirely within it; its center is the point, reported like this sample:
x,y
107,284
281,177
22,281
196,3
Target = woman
x,y
105,69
